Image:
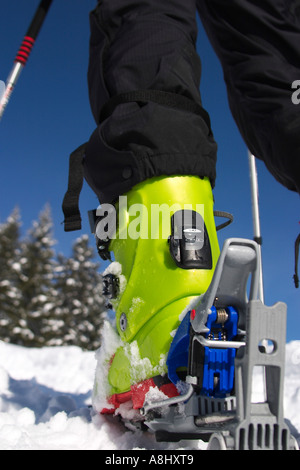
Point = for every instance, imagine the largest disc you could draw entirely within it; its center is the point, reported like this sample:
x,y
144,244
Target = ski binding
x,y
225,335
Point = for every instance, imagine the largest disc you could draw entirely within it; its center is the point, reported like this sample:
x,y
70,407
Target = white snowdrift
x,y
45,398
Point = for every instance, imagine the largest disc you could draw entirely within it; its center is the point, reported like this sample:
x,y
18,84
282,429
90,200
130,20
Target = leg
x,y
257,43
149,44
156,156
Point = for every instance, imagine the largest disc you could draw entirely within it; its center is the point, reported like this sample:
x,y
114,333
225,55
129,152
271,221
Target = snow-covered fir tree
x,y
36,282
80,308
10,295
48,299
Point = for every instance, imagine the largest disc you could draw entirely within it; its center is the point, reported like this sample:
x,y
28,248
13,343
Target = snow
x,y
46,396
102,357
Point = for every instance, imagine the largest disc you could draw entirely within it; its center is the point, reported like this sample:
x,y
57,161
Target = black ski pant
x,y
142,45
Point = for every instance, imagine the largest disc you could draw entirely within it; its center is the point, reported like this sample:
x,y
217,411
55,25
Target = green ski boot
x,y
165,249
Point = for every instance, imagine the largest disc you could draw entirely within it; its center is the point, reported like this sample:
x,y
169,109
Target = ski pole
x,y
24,52
256,221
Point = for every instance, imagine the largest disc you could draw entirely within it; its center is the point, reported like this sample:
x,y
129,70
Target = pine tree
x,y
10,295
45,299
36,282
81,306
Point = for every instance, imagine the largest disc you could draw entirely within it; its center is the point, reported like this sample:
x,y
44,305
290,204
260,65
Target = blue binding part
x,y
218,363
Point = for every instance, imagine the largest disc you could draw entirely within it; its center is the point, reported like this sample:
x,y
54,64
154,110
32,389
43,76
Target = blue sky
x,y
49,116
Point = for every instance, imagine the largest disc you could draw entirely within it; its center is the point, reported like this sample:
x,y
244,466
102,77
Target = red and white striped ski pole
x,y
24,52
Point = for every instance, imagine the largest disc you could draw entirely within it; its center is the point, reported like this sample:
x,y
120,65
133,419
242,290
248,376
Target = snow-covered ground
x,y
45,398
